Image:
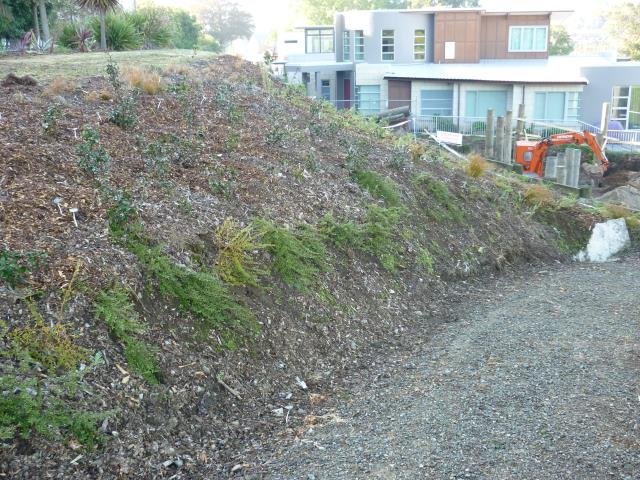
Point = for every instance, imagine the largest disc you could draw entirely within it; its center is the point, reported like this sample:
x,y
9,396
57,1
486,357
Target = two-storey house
x,y
439,62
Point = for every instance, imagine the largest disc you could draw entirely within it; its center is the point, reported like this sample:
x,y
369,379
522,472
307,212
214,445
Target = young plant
x,y
94,159
236,250
16,266
50,120
477,166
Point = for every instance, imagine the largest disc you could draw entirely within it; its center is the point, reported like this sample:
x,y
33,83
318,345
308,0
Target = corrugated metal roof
x,y
506,71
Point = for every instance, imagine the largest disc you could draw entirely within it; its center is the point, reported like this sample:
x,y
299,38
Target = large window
x,y
388,48
325,89
368,99
625,106
557,106
319,40
358,45
528,39
479,101
436,102
419,45
346,46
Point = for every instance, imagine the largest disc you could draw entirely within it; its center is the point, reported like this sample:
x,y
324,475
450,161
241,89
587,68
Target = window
x,y
557,106
388,45
325,89
346,46
359,46
368,99
319,40
625,106
436,102
478,102
419,45
528,39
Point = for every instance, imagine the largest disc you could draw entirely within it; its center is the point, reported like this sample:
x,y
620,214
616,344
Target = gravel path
x,y
538,380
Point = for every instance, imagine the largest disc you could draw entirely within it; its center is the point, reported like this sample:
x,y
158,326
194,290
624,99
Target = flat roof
x,y
496,71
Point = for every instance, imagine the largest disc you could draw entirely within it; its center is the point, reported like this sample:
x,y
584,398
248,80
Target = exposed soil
x,y
234,144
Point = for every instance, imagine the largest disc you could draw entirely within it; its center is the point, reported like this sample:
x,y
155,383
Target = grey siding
x,y
372,23
602,79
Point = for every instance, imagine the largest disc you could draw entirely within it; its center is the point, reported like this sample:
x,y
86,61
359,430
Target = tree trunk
x,y
103,31
44,19
36,24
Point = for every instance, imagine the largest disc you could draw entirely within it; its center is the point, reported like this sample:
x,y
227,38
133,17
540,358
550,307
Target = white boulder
x,y
606,240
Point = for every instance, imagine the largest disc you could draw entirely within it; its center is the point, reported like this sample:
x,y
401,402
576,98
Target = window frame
x,y
423,109
521,48
572,101
423,45
391,45
325,83
358,99
346,46
322,34
358,46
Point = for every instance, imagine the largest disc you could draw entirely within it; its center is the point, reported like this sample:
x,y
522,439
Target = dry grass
x,y
612,210
103,95
540,196
417,151
177,69
477,166
144,80
59,85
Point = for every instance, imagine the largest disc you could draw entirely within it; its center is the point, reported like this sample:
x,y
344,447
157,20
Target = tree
x,y
226,22
560,42
444,3
186,30
624,25
15,18
102,7
44,20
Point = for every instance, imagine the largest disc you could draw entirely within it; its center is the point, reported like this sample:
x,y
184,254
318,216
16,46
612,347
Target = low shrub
x,y
236,249
341,234
93,158
115,308
121,33
378,186
298,255
379,235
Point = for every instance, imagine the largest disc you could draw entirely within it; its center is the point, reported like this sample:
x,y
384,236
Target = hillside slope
x,y
236,246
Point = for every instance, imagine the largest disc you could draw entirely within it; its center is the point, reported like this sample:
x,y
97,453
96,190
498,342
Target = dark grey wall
x,y
602,79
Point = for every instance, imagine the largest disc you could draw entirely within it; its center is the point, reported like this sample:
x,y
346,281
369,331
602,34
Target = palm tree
x,y
102,6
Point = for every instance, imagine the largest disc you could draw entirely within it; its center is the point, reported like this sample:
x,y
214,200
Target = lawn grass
x,y
46,67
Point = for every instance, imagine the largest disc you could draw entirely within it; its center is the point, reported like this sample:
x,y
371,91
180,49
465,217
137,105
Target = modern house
x,y
445,63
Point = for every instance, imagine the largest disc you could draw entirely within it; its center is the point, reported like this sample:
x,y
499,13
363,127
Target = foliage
x,y
236,246
426,260
124,112
199,293
226,22
51,346
77,37
624,25
417,151
298,255
342,234
116,309
93,158
121,33
16,266
186,30
50,120
539,196
560,42
432,189
379,234
320,12
378,186
154,25
34,405
477,166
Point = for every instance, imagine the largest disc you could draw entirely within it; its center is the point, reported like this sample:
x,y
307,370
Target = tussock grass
x,y
539,196
142,79
477,166
59,85
417,151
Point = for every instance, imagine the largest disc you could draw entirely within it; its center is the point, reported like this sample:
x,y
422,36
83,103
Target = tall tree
x,y
102,7
226,22
34,14
444,3
560,42
44,20
624,25
321,11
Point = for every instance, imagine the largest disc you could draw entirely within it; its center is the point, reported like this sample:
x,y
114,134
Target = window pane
x,y
634,111
419,42
470,104
541,39
527,39
368,99
620,91
346,46
539,110
325,89
387,45
327,44
515,39
436,102
555,106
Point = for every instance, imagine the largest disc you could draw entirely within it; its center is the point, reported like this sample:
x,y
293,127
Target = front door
x,y
347,93
399,93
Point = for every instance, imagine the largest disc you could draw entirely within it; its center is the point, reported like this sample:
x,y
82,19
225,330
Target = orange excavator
x,y
531,155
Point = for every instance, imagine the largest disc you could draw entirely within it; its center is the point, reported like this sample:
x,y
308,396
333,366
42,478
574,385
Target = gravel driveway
x,y
538,380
